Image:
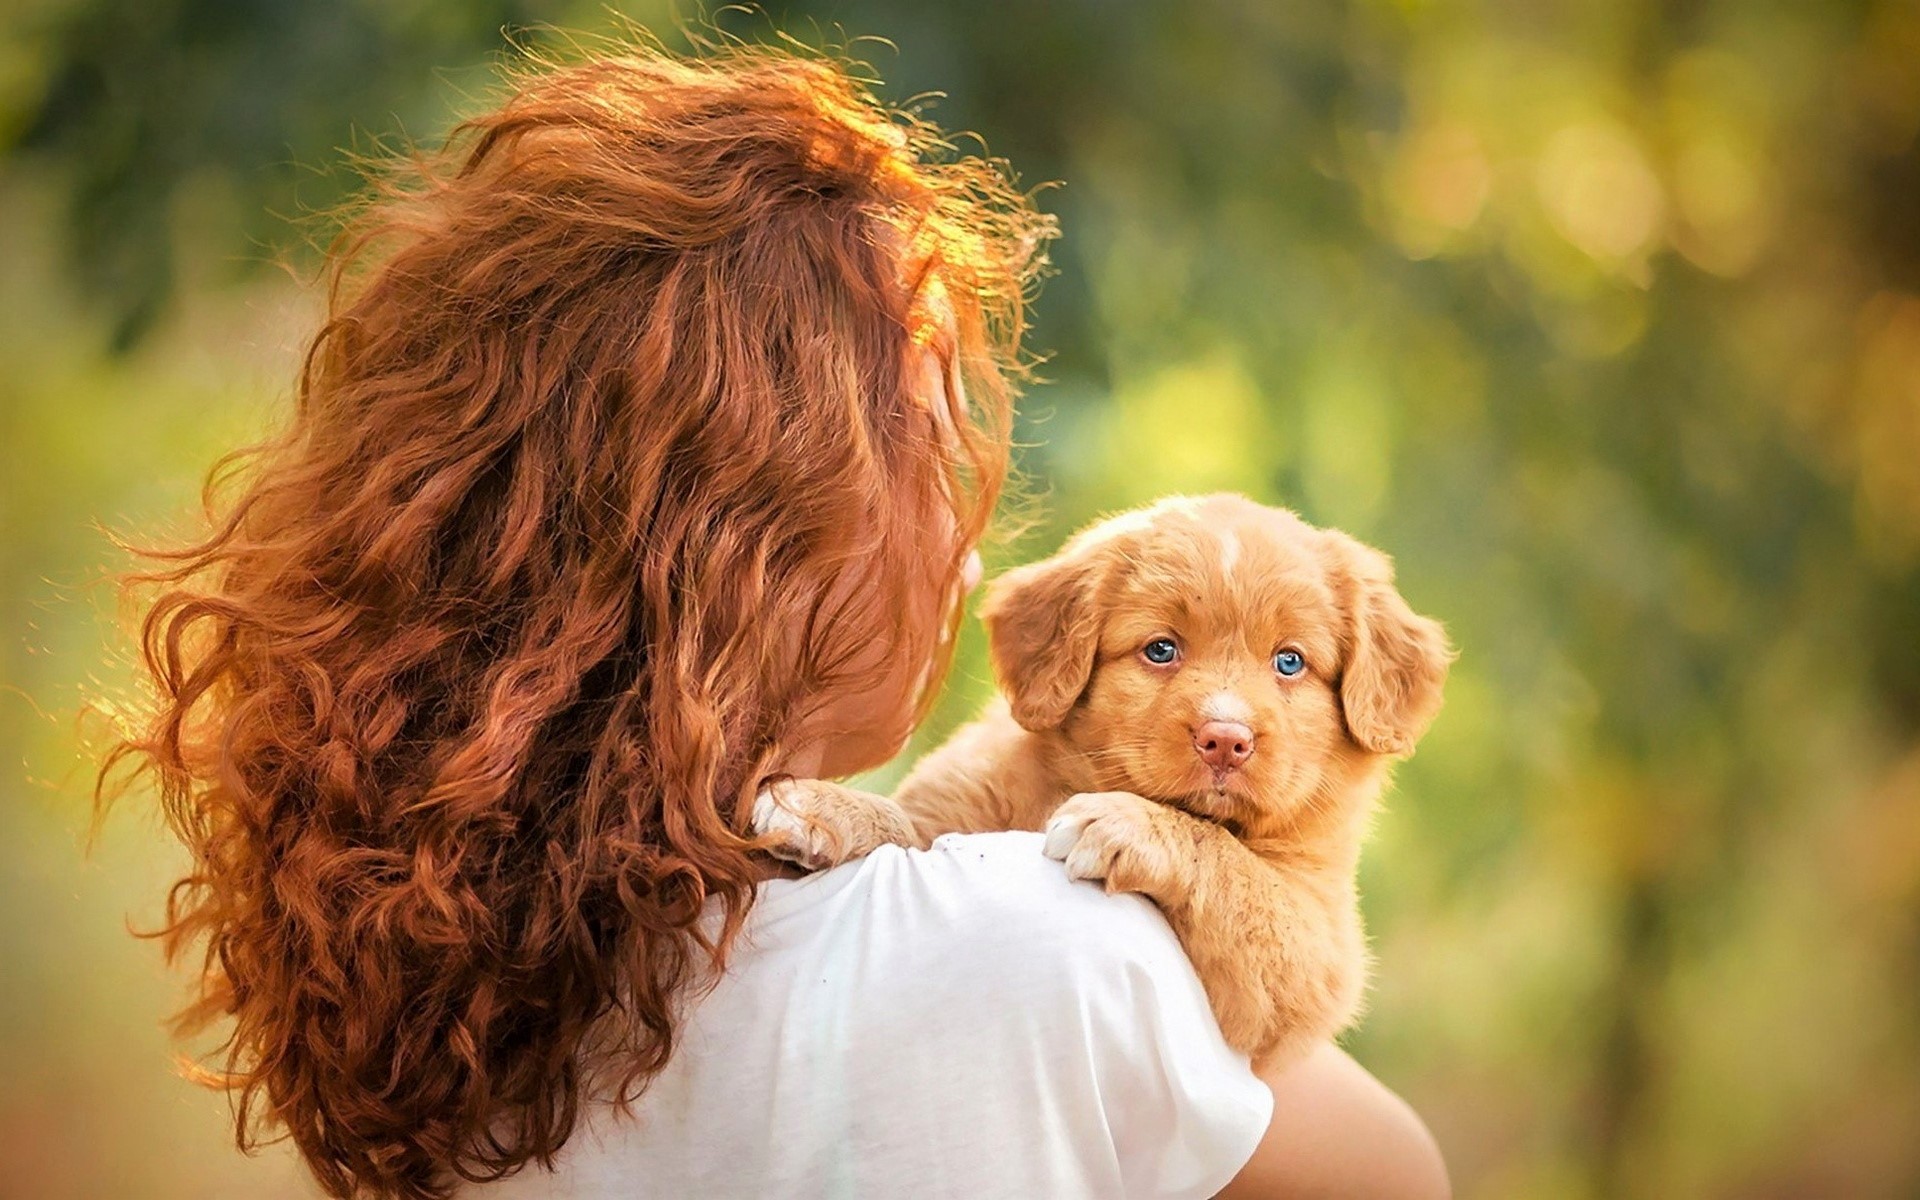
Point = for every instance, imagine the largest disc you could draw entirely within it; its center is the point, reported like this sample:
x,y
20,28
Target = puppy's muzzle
x,y
1224,746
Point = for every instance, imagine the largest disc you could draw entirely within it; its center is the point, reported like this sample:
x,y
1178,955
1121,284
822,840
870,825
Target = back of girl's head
x,y
461,702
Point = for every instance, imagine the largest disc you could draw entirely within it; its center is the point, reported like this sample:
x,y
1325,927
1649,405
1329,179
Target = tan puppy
x,y
1202,699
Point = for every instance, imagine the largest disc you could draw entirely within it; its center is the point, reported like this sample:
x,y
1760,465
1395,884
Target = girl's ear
x,y
1043,631
1397,661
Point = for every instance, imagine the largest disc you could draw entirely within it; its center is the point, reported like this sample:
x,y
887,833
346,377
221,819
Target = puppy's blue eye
x,y
1160,651
1289,663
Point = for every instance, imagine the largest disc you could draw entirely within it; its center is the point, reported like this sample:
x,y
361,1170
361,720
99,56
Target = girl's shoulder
x,y
992,894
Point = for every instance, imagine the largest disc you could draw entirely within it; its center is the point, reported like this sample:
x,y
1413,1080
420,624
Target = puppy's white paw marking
x,y
1112,837
1092,858
1062,832
1086,833
798,840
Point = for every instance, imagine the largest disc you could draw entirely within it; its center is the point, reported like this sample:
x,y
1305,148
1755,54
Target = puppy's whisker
x,y
1138,742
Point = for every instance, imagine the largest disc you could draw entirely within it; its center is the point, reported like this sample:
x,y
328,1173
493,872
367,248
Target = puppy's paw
x,y
1128,842
816,824
780,813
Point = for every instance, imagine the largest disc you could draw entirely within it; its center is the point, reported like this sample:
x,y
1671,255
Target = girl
x,y
641,459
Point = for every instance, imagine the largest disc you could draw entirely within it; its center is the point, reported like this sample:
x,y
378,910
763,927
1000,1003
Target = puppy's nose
x,y
1223,745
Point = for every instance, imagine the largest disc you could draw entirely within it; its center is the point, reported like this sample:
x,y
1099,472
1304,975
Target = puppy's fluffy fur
x,y
1252,858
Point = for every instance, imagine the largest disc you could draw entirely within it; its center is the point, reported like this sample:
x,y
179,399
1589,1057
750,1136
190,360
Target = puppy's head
x,y
1219,655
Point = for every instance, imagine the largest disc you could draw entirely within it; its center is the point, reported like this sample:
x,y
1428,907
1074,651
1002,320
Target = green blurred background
x,y
1604,318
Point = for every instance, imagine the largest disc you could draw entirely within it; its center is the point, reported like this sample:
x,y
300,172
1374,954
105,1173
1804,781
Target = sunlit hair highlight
x,y
461,702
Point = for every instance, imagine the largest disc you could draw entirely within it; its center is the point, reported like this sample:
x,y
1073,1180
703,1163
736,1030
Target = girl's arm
x,y
1338,1131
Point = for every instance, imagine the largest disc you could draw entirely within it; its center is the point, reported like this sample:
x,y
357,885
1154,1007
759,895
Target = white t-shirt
x,y
961,1022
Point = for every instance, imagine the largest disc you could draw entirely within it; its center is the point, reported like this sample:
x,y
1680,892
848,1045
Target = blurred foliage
x,y
1604,319
152,103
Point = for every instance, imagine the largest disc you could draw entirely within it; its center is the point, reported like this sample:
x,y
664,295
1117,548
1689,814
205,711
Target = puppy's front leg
x,y
1276,944
816,823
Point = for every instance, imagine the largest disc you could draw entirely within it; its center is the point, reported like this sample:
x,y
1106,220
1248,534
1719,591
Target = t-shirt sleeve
x,y
1184,1109
1146,1085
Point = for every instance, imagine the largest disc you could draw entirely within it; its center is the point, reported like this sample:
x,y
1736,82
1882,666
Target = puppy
x,y
1201,702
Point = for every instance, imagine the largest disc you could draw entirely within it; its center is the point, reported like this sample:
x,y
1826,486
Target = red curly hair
x,y
462,701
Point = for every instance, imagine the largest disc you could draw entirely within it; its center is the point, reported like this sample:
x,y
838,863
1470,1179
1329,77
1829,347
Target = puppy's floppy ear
x,y
1042,632
1397,661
